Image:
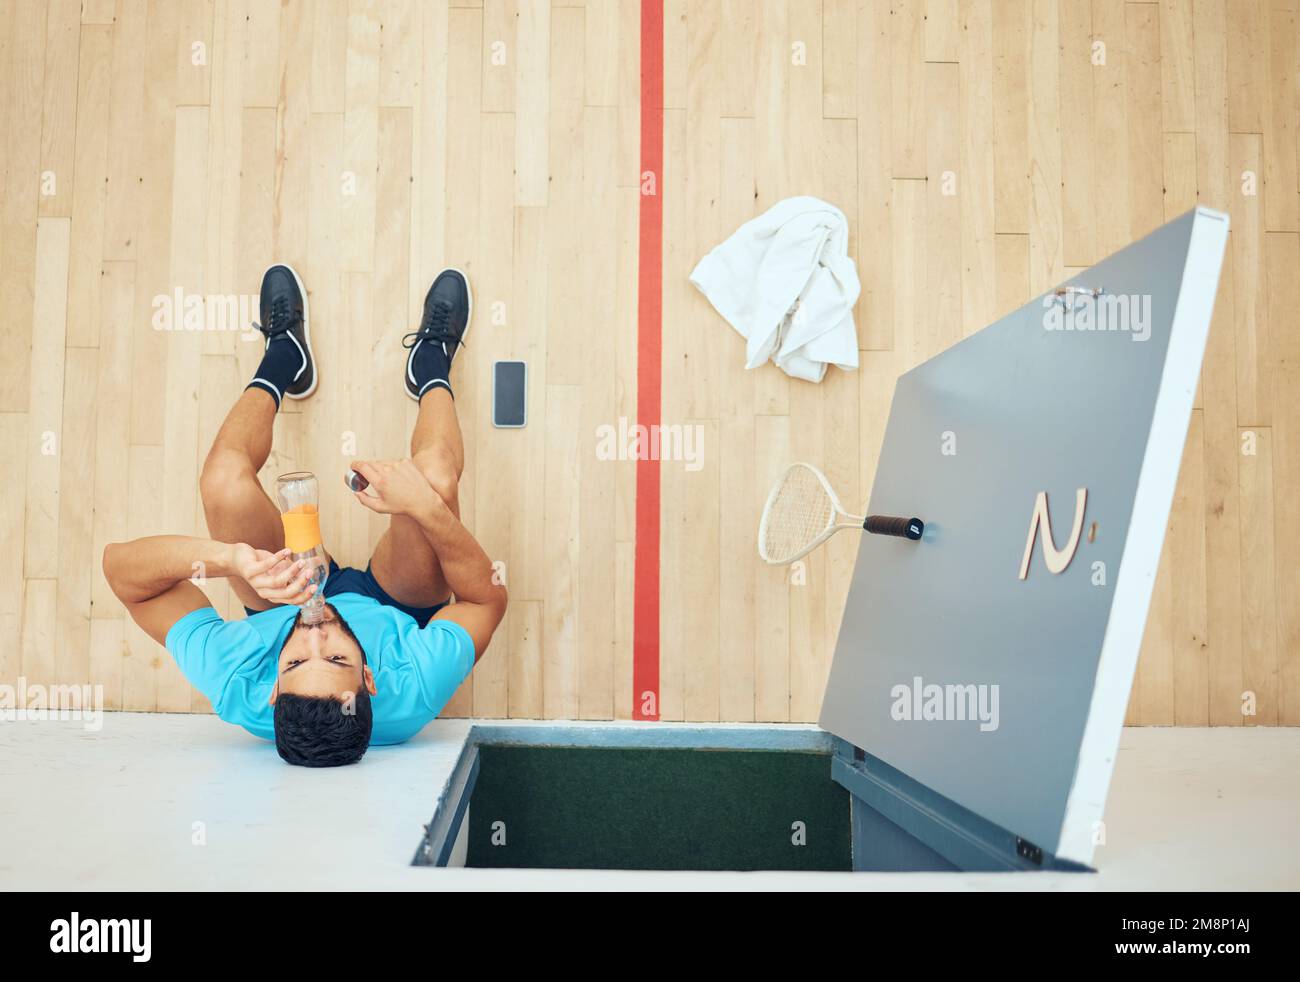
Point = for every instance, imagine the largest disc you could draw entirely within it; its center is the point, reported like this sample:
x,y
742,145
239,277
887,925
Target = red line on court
x,y
649,357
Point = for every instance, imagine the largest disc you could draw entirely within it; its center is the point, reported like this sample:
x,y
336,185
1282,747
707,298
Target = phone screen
x,y
509,396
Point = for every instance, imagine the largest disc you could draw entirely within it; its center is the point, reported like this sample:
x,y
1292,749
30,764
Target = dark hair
x,y
321,731
315,731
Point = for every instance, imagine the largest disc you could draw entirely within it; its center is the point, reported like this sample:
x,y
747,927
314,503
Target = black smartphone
x,y
509,393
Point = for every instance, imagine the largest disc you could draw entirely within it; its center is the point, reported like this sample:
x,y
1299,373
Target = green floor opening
x,y
656,809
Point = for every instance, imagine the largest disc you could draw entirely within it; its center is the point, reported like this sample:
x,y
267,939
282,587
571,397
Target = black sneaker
x,y
447,308
284,312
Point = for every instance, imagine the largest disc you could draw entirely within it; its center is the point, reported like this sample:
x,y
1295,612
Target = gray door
x,y
974,435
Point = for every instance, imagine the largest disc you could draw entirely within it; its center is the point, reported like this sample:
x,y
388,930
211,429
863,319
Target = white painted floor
x,y
118,808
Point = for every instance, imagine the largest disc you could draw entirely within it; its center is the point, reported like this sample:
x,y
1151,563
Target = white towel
x,y
785,281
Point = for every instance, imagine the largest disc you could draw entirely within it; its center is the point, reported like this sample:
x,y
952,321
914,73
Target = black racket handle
x,y
904,528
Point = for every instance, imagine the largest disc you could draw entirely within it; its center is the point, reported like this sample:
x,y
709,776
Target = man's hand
x,y
398,488
273,575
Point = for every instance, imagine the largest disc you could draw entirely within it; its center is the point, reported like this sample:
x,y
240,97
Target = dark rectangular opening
x,y
657,809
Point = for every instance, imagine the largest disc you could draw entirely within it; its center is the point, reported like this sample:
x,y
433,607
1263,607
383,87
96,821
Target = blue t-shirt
x,y
234,663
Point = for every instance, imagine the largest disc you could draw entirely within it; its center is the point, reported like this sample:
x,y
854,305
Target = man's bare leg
x,y
237,508
404,563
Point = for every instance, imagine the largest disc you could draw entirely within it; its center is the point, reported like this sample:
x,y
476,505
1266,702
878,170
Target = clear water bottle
x,y
299,499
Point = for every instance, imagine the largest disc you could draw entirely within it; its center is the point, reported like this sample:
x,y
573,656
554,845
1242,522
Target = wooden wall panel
x,y
982,150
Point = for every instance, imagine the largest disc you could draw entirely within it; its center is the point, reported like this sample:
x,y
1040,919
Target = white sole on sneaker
x,y
306,336
469,319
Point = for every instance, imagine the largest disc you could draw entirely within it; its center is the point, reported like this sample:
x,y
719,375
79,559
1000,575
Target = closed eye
x,y
340,661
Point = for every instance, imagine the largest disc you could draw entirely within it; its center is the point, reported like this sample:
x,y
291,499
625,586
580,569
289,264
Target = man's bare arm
x,y
151,576
400,488
480,602
142,569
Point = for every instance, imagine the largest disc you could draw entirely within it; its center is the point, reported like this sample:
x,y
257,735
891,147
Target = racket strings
x,y
798,513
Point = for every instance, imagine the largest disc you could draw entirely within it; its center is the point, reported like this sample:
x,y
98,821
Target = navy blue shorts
x,y
349,579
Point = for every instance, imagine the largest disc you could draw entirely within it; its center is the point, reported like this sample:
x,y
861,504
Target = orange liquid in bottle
x,y
301,528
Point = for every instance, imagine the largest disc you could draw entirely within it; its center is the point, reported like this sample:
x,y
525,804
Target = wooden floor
x,y
984,150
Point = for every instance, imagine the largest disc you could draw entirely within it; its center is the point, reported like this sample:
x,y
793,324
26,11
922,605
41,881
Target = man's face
x,y
322,660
